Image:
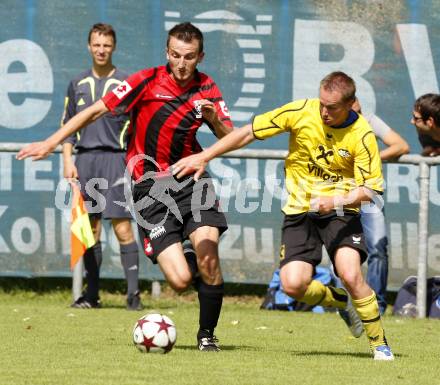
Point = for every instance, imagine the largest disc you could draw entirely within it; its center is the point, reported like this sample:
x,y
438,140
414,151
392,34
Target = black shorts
x,y
168,210
304,234
101,174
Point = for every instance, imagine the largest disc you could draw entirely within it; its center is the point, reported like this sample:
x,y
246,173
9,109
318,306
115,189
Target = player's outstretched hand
x,y
36,151
191,164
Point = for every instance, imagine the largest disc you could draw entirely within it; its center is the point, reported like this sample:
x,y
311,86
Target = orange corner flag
x,y
81,231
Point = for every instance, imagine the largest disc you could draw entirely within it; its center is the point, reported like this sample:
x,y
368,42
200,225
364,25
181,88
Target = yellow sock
x,y
368,311
328,296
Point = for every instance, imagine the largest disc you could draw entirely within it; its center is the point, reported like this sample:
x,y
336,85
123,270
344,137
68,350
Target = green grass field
x,y
43,341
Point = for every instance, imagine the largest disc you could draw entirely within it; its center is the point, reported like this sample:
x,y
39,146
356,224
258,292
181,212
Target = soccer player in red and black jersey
x,y
167,105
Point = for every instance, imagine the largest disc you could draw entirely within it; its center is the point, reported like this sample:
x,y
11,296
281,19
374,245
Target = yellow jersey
x,y
322,160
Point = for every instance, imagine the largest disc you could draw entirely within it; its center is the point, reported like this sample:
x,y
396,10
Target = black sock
x,y
210,299
92,264
130,262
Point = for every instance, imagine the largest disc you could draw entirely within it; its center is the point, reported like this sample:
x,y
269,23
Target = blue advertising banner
x,y
262,54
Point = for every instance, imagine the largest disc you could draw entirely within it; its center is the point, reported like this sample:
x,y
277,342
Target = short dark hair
x,y
103,29
340,81
428,105
186,32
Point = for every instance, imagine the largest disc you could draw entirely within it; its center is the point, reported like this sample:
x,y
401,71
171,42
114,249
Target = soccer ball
x,y
154,333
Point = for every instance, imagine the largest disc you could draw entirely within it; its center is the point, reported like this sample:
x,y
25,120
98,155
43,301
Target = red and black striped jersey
x,y
164,116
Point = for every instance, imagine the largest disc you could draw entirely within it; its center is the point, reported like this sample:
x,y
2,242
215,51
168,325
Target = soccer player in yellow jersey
x,y
333,166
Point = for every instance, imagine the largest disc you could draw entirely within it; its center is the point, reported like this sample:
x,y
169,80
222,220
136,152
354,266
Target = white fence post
x,y
423,239
155,289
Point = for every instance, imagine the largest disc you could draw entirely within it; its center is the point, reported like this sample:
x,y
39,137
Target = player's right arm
x,y
40,150
264,126
197,163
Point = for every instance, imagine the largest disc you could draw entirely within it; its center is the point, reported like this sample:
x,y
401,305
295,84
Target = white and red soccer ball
x,y
154,333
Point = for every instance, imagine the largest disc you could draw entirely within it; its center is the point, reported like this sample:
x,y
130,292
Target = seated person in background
x,y
426,119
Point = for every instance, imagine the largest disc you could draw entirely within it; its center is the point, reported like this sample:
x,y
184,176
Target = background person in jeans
x,y
372,218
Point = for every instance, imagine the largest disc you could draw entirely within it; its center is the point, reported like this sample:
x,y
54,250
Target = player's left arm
x,y
351,200
368,175
211,115
216,113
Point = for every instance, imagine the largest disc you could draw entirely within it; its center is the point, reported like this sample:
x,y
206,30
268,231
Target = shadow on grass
x,y
194,347
145,310
112,285
148,308
331,354
335,354
294,353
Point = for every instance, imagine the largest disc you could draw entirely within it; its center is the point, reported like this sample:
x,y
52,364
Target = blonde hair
x,y
340,81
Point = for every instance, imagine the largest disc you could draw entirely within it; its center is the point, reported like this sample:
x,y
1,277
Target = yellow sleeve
x,y
279,120
367,163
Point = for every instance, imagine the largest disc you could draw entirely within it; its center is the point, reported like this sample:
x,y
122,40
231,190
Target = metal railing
x,y
424,174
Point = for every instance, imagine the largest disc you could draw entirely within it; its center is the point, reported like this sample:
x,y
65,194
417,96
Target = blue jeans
x,y
373,223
